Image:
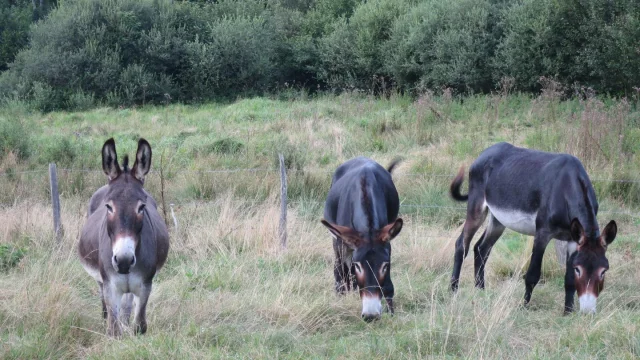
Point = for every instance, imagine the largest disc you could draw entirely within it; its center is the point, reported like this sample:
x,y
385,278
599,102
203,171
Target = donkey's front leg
x,y
569,280
141,308
104,305
113,299
540,242
125,308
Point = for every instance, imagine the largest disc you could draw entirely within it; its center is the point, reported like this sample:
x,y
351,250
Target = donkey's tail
x,y
393,164
455,186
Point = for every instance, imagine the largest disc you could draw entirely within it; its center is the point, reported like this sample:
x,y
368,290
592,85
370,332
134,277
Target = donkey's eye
x,y
358,267
141,208
384,268
577,270
109,208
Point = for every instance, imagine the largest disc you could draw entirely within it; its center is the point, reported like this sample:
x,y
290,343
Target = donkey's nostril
x,y
115,258
370,317
133,260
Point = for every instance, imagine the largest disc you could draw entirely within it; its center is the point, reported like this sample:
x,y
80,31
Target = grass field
x,y
228,291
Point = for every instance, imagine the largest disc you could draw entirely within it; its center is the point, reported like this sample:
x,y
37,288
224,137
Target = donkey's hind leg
x,y
476,213
483,248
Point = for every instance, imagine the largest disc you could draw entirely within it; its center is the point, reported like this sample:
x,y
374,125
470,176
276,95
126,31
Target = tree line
x,y
76,54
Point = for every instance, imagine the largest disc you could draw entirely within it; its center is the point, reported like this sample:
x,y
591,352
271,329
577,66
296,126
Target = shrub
x,y
234,55
442,43
352,54
94,48
126,52
15,18
129,52
10,256
225,146
591,42
59,150
14,137
321,17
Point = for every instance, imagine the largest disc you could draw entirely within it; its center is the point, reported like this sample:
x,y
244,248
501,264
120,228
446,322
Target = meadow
x,y
229,291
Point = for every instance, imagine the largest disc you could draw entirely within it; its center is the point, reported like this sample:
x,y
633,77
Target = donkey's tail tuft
x,y
393,164
455,186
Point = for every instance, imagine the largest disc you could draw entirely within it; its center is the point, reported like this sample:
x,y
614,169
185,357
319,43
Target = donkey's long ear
x,y
609,233
143,160
577,231
349,237
390,231
110,160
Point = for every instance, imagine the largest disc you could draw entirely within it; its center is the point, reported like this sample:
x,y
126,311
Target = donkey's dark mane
x,y
590,228
125,164
366,203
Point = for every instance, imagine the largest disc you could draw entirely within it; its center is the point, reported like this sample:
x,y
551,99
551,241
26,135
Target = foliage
x,y
14,30
14,138
229,291
442,43
88,53
590,42
10,256
352,52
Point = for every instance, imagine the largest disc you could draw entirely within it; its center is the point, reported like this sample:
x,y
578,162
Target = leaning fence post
x,y
282,229
55,200
561,251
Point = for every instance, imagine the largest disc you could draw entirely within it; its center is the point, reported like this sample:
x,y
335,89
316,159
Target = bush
x,y
14,137
15,18
590,42
129,52
234,55
225,146
352,53
59,150
126,52
10,256
443,43
524,50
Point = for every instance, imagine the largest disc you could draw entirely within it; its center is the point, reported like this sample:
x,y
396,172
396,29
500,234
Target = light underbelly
x,y
524,223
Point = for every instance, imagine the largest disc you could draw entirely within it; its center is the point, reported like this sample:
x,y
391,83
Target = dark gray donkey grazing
x,y
542,194
361,212
124,240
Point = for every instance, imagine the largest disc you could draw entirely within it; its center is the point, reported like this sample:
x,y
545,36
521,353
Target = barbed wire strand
x,y
276,172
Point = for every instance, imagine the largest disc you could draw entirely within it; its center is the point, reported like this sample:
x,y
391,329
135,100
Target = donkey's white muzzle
x,y
124,254
588,303
371,307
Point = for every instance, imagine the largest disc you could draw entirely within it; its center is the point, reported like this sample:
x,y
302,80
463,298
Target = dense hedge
x,y
125,52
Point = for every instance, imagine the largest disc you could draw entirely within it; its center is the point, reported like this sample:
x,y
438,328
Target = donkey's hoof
x,y
141,328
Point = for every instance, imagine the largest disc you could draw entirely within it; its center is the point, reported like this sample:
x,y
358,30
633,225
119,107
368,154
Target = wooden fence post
x,y
55,200
282,228
561,251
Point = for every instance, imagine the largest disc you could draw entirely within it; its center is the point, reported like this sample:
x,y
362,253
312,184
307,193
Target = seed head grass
x,y
229,291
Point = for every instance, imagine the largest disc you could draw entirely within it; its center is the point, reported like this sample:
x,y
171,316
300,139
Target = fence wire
x,y
275,171
312,171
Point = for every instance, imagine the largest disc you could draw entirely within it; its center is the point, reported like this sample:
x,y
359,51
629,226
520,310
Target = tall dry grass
x,y
229,291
